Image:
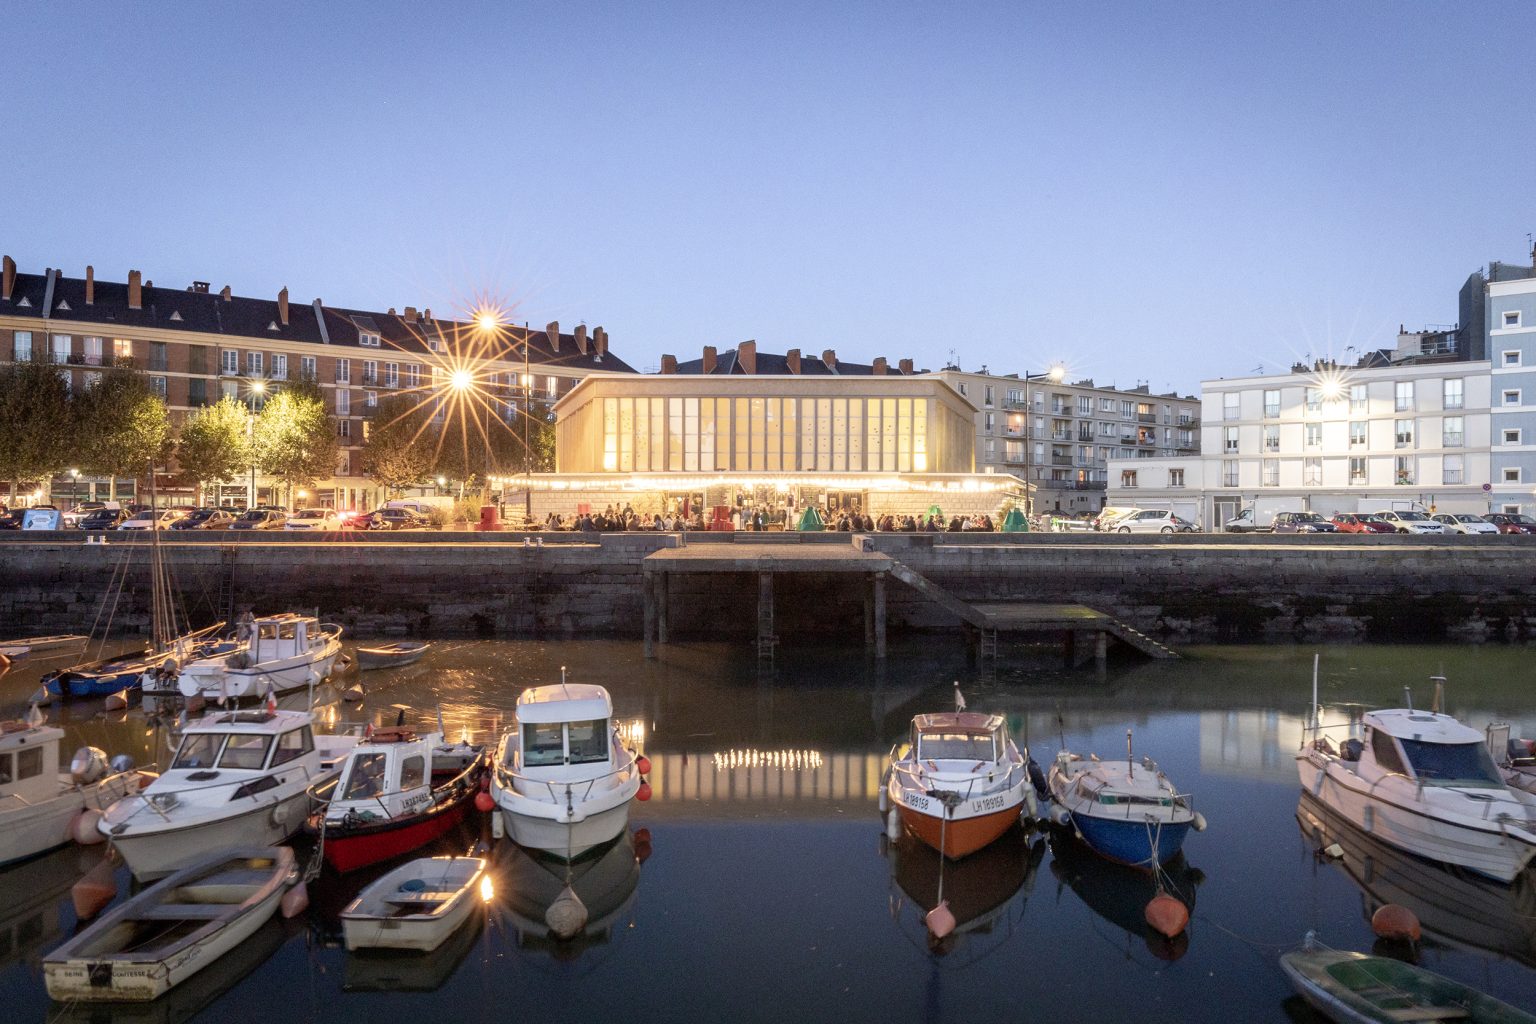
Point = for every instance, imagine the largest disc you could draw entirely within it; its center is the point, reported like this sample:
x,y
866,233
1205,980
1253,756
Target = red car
x,y
1512,522
1361,522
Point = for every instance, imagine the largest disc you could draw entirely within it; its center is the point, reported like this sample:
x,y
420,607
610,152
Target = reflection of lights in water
x,y
783,760
487,889
631,732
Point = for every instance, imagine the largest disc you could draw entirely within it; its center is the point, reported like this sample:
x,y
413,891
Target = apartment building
x,y
1511,319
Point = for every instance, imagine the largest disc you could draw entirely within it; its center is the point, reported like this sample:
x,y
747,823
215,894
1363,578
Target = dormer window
x,y
368,340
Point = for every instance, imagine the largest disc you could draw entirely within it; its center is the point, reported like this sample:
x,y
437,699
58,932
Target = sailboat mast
x,y
160,601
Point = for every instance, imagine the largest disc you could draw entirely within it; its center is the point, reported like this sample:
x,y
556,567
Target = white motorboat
x,y
398,654
1425,783
172,930
239,778
415,906
281,652
563,780
39,804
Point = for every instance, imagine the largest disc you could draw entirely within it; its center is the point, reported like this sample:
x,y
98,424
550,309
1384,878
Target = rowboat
x,y
170,931
416,906
1354,987
38,643
392,655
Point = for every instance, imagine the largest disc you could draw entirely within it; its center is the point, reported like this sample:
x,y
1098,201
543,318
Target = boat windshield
x,y
957,746
588,741
197,750
543,744
245,751
1451,764
365,777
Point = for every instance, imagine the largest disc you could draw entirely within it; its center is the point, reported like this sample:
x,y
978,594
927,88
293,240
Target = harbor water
x,y
758,884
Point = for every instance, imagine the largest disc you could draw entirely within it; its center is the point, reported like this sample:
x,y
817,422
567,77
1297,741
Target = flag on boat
x,y
959,697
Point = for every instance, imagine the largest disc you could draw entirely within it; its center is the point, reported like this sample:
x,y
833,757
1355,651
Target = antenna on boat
x,y
959,698
562,679
1408,697
1130,761
1438,707
1315,722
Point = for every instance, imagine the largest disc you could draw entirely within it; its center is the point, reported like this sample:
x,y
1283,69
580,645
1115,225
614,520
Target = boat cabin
x,y
243,740
278,637
959,736
1431,749
560,726
390,773
29,762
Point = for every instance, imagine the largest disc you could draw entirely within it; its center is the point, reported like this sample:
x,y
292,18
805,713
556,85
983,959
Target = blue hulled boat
x,y
1129,813
106,676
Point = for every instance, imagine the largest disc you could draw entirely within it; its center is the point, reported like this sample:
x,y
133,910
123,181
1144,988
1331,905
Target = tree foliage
x,y
401,444
294,438
34,422
121,425
214,445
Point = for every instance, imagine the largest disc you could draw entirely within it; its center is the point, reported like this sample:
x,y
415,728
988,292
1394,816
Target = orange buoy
x,y
295,901
196,703
644,792
644,764
940,920
1392,921
94,891
1167,915
484,802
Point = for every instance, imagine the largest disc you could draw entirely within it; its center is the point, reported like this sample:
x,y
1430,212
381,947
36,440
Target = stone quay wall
x,y
1179,589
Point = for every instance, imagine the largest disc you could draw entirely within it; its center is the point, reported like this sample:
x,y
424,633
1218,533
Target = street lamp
x,y
258,387
1054,375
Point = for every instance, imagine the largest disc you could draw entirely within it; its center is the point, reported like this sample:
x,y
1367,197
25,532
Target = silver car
x,y
1408,521
1153,520
1462,523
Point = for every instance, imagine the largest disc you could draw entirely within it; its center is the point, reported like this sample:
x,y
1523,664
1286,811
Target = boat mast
x,y
160,599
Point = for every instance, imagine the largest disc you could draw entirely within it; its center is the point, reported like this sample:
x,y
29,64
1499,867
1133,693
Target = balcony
x,y
1061,435
1061,460
370,380
1146,417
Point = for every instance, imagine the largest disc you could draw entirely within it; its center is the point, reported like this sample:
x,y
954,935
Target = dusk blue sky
x,y
1159,192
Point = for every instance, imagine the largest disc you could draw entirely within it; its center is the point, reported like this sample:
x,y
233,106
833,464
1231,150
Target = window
x,y
343,401
1512,435
1175,478
1511,357
1357,398
1127,478
368,340
988,423
1402,436
1402,469
122,350
365,775
1269,475
991,450
1512,318
1229,440
293,745
307,368
1313,399
61,347
1511,396
197,358
1085,405
1386,752
987,395
21,348
391,375
1229,405
370,399
1107,405
588,741
253,364
1451,470
1357,470
197,392
1016,396
1453,393
1511,475
413,772
93,351
157,356
1272,438
551,386
1229,472
157,385
229,361
279,367
1272,403
29,763
1451,432
245,750
1127,410
1357,434
343,371
370,372
343,428
1403,397
1312,472
1313,435
229,389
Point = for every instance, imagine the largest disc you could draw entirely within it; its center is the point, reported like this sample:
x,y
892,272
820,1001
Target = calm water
x,y
767,892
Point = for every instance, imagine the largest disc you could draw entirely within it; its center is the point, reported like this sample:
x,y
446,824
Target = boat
x,y
416,906
238,778
1515,756
958,782
605,882
38,804
170,931
28,644
982,891
103,677
563,780
14,650
397,792
1354,987
392,655
390,971
1423,782
1132,814
1120,894
281,652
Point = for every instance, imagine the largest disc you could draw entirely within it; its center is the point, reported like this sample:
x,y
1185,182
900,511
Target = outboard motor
x,y
88,765
121,763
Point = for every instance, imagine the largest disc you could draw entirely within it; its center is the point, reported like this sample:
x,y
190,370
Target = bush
x,y
438,517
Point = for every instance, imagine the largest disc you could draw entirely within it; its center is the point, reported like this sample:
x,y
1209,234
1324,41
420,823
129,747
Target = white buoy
x,y
893,825
940,920
83,829
885,793
1059,816
567,916
116,701
1198,822
352,694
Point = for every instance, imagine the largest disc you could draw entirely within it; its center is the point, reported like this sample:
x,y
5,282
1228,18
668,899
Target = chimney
x,y
792,357
581,338
709,360
830,358
282,306
426,315
882,368
135,290
200,287
600,341
410,314
669,364
552,331
90,286
224,293
8,279
746,357
906,367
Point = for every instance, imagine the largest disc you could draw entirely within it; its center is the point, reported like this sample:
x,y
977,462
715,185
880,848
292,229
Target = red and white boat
x,y
397,792
958,783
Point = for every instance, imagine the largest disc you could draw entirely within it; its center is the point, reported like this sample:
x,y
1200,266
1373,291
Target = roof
x,y
951,721
1422,725
564,702
771,364
204,312
256,720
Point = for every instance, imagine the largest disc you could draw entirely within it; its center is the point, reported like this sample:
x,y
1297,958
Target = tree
x,y
215,446
34,422
294,438
122,426
401,443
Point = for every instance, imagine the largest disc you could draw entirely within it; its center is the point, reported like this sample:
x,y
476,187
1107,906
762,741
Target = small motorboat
x,y
106,676
170,931
15,650
415,906
1132,814
392,655
958,783
277,652
239,778
563,780
1354,987
398,791
28,644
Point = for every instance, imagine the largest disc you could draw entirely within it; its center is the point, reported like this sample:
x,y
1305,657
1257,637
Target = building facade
x,y
1511,319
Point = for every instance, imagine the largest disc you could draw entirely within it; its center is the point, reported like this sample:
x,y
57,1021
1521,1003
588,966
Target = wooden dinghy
x,y
416,906
1354,987
172,930
392,655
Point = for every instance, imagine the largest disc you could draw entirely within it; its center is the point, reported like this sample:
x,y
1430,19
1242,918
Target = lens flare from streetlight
x,y
461,379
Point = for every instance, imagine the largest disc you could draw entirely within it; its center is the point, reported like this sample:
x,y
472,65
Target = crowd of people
x,y
613,519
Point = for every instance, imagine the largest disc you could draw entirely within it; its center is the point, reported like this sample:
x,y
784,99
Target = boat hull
x,y
34,829
421,936
1360,989
559,838
387,916
369,658
348,849
1134,843
155,854
963,834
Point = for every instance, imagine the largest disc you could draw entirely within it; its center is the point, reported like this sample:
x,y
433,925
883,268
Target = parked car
x,y
73,516
205,519
1460,523
1107,516
314,519
259,519
150,520
1508,522
1408,521
1302,522
1361,522
396,519
11,520
1153,520
103,519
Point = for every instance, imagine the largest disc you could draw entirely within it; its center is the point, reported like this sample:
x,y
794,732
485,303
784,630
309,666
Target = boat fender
x,y
498,827
644,792
893,825
1059,816
567,915
295,901
1031,805
885,794
83,828
94,891
484,803
88,765
940,920
1167,915
1037,779
1198,822
643,765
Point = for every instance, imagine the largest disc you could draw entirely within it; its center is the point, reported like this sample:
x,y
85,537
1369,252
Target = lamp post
x,y
258,387
1054,374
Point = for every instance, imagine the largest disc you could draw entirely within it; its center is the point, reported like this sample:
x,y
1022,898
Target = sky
x,y
1159,192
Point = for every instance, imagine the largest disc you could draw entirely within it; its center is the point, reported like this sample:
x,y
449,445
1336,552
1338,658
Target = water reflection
x,y
383,970
987,891
30,917
604,880
1120,894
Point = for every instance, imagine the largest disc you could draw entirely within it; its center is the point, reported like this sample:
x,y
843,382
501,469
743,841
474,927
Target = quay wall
x,y
1181,589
